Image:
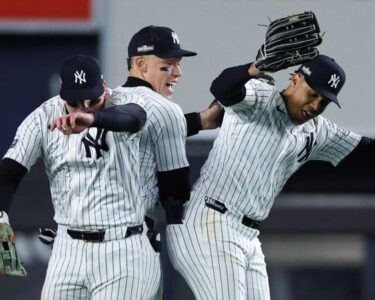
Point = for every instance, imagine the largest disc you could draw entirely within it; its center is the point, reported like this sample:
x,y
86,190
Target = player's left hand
x,y
72,123
212,117
10,263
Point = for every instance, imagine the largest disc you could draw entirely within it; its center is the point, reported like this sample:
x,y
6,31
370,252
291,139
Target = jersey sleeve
x,y
121,98
258,95
168,128
335,141
26,147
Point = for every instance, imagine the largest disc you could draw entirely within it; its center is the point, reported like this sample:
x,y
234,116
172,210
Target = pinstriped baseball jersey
x,y
259,148
163,138
91,186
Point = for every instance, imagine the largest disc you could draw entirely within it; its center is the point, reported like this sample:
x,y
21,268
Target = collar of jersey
x,y
134,82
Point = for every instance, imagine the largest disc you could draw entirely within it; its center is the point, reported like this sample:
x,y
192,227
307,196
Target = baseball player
x,y
89,143
154,69
265,137
154,56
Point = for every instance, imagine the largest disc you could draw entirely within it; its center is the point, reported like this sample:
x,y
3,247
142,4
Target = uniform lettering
x,y
306,151
97,144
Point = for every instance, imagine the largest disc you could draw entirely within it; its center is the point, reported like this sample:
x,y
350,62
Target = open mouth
x,y
307,115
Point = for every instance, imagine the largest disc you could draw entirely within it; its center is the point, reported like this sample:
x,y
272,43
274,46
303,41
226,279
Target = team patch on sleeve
x,y
14,143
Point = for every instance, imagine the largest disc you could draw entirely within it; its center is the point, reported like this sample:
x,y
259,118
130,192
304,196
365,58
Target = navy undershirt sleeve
x,y
228,88
193,122
174,190
175,184
11,174
128,117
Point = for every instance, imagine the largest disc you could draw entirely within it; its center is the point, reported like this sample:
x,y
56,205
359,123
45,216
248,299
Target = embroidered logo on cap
x,y
175,38
79,77
334,81
306,70
145,48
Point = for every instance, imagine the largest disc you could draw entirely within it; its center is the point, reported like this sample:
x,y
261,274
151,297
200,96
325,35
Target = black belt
x,y
98,235
221,208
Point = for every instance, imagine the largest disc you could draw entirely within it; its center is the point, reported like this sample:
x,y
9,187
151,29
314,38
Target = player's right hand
x,y
72,123
212,117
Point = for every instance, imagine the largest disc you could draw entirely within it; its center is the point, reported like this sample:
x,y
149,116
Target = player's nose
x,y
314,105
177,72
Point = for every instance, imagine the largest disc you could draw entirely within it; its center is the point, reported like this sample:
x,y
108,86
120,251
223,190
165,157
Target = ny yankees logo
x,y
175,38
79,76
98,143
306,151
334,81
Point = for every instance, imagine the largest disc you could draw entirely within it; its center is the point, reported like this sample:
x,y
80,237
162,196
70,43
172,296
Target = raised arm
x,y
229,87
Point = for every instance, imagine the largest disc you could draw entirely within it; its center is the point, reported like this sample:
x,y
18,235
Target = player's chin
x,y
168,93
298,120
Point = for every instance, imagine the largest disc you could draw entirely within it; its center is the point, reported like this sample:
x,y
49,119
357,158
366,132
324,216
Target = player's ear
x,y
295,78
141,64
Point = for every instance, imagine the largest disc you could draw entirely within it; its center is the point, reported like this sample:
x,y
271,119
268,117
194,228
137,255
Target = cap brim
x,y
326,94
91,93
176,53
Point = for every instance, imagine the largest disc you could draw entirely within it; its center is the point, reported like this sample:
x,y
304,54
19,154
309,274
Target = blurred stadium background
x,y
319,240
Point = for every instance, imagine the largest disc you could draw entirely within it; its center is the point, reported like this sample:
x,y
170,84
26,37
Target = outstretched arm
x,y
129,117
209,118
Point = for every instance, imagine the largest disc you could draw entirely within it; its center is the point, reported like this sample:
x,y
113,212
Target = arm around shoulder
x,y
127,117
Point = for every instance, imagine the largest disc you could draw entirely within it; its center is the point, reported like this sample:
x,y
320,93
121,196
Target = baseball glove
x,y
10,264
288,42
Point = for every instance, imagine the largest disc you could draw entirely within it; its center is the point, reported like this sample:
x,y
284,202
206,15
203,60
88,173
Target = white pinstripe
x,y
163,139
91,193
257,150
162,145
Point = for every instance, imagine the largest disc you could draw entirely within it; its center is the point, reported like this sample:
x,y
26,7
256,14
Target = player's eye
x,y
167,68
81,103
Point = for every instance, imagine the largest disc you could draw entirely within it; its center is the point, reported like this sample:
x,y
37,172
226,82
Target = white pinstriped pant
x,y
218,256
118,268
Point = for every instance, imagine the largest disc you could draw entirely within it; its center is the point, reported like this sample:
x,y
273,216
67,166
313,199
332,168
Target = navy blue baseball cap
x,y
81,79
160,41
324,76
